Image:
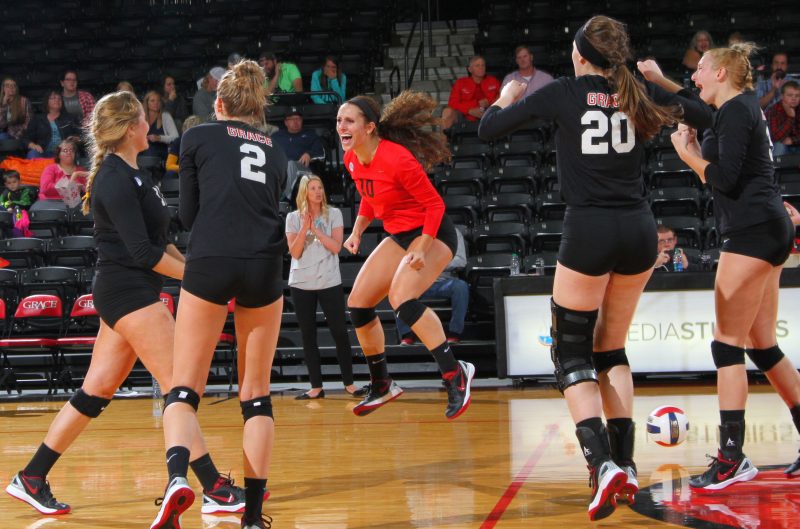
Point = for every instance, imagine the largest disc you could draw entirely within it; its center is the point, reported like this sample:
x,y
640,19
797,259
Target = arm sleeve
x,y
365,209
170,130
496,95
317,150
188,187
128,221
292,222
733,133
455,101
47,183
543,103
337,221
317,87
696,113
459,261
416,183
26,198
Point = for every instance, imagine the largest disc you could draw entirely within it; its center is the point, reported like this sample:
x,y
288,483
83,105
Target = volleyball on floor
x,y
667,426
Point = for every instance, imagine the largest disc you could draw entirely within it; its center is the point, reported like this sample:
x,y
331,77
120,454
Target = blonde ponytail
x,y
111,118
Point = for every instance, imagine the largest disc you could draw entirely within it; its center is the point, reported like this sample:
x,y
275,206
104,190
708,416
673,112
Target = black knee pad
x,y
88,405
607,359
184,395
361,316
765,359
257,406
573,334
726,355
410,311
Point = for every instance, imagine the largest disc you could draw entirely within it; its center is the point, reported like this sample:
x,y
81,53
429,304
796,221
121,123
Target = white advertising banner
x,y
671,332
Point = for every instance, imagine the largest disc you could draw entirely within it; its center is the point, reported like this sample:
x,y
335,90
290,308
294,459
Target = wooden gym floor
x,y
510,462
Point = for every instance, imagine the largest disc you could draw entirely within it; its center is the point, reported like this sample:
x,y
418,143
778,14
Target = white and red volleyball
x,y
667,426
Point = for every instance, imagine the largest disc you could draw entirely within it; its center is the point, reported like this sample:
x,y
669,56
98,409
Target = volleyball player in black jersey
x,y
231,178
757,237
131,220
603,115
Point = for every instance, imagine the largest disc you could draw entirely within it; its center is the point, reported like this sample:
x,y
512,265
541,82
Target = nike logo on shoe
x,y
730,442
28,485
586,451
229,499
722,476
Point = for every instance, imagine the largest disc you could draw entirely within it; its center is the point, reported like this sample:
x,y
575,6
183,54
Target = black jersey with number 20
x,y
599,156
231,177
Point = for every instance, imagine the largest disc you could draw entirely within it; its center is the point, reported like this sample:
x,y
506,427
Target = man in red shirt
x,y
784,120
471,95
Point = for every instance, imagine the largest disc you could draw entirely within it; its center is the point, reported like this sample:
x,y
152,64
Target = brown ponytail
x,y
408,120
611,39
242,92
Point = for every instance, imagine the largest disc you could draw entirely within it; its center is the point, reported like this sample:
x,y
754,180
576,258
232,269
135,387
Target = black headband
x,y
366,109
588,51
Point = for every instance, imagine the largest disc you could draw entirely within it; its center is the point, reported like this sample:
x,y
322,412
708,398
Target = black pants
x,y
332,302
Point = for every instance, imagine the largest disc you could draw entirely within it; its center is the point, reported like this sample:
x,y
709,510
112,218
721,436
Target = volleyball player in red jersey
x,y
382,154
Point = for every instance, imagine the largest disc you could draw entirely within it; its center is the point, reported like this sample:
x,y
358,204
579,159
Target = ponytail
x,y
647,117
408,120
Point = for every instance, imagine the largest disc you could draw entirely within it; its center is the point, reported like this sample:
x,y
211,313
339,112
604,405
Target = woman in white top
x,y
162,129
315,232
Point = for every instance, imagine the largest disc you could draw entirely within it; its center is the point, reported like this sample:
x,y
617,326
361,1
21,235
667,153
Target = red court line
x,y
519,479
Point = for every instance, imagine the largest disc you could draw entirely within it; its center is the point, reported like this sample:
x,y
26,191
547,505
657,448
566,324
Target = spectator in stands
x,y
125,86
784,122
15,196
203,102
234,59
78,103
447,285
173,102
174,151
527,73
768,89
329,78
667,241
282,77
302,146
315,233
15,111
64,166
162,128
701,42
46,131
471,95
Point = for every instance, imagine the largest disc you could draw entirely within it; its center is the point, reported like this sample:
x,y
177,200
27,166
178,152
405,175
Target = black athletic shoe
x,y
264,523
224,497
723,472
793,470
178,497
377,397
607,481
458,390
36,492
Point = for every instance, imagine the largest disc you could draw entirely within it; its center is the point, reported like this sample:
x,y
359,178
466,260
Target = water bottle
x,y
539,264
514,264
677,260
158,401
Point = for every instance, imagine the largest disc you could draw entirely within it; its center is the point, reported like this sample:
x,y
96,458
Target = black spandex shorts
x,y
770,241
118,290
597,240
446,234
253,282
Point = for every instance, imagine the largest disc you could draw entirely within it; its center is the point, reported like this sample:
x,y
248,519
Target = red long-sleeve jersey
x,y
395,189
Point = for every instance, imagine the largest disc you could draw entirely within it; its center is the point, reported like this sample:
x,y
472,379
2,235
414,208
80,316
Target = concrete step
x,y
447,50
438,27
440,40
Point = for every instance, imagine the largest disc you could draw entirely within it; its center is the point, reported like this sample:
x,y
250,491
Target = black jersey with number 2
x,y
599,156
231,178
